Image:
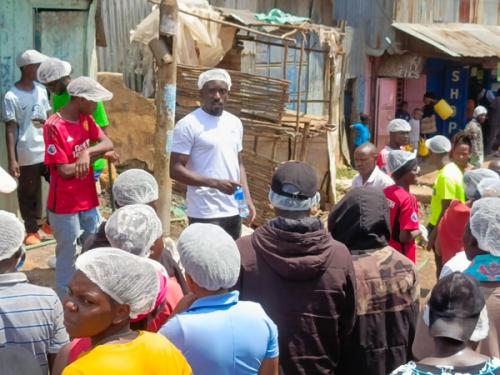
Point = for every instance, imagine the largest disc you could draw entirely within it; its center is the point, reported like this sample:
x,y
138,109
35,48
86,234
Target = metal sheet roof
x,y
457,39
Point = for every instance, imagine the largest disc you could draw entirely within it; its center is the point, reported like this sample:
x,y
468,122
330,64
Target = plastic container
x,y
443,109
239,196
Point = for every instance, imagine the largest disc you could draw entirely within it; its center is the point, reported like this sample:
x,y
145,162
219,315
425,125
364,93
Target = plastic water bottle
x,y
239,195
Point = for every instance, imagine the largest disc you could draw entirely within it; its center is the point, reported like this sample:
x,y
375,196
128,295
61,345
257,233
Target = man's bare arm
x,y
179,172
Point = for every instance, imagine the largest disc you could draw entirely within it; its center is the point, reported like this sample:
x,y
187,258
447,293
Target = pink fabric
x,y
78,347
159,299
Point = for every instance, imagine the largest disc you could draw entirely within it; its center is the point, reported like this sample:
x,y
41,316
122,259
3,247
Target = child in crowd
x,y
25,110
403,205
72,197
55,75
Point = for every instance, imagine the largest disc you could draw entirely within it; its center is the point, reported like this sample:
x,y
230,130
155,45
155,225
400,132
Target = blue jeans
x,y
69,230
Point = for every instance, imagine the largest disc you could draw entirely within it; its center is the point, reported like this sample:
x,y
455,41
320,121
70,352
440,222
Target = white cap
x,y
29,57
11,234
485,224
438,144
126,278
210,256
398,125
479,110
7,182
134,228
472,179
214,75
398,158
87,88
489,187
135,186
53,69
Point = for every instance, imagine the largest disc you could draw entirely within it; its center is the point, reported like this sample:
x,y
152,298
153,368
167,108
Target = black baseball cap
x,y
454,307
295,179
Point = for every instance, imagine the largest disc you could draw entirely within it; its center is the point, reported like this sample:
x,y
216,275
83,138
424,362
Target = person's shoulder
x,y
155,341
31,292
340,255
409,368
11,94
189,120
398,261
230,116
40,88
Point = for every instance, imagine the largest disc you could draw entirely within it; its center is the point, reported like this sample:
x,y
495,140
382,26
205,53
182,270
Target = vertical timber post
x,y
165,105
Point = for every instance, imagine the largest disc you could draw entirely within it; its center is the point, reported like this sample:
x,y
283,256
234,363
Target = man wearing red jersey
x,y
72,200
403,205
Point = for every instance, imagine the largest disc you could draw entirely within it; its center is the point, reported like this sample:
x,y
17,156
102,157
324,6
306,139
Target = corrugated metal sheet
x,y
372,19
457,39
119,17
485,12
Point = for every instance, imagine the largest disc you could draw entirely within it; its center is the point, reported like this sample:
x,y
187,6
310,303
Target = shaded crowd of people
x,y
297,296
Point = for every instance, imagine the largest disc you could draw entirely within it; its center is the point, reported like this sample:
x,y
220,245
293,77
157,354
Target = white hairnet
x,y
398,125
210,256
126,278
472,179
485,224
135,186
398,158
7,182
53,69
489,187
438,144
134,228
479,110
293,204
11,234
214,75
87,88
29,57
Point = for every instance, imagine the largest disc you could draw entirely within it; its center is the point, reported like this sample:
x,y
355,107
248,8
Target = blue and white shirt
x,y
31,316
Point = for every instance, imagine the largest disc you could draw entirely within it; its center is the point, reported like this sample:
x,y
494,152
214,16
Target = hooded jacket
x,y
304,280
387,289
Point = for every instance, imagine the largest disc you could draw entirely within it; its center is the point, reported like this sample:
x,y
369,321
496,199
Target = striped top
x,y
31,316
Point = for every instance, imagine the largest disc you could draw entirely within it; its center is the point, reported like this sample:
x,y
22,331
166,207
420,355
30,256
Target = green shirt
x,y
99,115
448,186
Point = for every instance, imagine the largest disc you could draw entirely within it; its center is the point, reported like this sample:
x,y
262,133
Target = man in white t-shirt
x,y
206,156
365,161
25,110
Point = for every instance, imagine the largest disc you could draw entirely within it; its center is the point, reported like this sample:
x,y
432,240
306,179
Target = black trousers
x,y
437,258
29,194
231,224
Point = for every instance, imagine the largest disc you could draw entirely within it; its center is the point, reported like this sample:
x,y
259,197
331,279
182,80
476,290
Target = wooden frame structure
x,y
252,94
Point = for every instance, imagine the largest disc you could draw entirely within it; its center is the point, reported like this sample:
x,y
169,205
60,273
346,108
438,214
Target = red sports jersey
x,y
403,208
64,140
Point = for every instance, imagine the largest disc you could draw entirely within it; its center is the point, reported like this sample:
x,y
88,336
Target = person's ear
x,y
121,313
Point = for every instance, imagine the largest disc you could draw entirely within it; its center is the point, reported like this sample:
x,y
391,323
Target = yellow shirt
x,y
148,354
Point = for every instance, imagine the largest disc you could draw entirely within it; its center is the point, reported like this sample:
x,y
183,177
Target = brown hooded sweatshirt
x,y
304,280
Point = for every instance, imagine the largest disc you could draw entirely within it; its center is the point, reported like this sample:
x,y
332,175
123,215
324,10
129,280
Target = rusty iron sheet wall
x,y
119,17
486,12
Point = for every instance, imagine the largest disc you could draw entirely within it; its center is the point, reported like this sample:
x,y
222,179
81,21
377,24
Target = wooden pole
x,y
165,109
299,82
